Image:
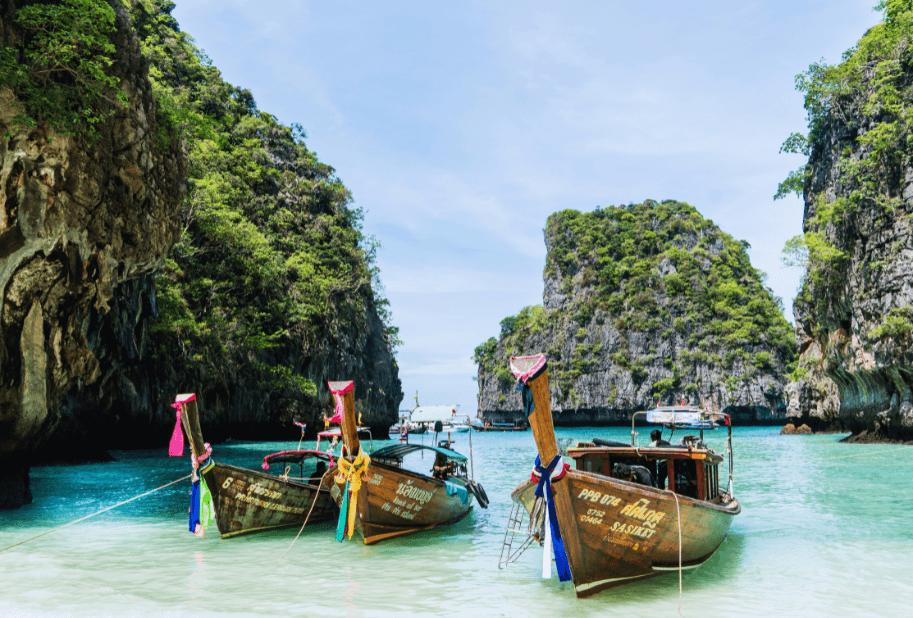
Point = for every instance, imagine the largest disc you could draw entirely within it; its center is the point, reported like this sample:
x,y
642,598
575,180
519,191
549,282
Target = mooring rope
x,y
678,516
316,495
183,478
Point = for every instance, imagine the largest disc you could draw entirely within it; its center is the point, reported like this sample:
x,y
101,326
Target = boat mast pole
x,y
472,469
729,427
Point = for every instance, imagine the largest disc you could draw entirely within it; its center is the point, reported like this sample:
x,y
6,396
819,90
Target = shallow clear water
x,y
826,530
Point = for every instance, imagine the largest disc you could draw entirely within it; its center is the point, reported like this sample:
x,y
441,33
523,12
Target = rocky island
x,y
644,303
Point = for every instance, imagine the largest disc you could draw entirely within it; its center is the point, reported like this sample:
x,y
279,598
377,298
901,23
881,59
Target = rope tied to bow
x,y
351,475
544,489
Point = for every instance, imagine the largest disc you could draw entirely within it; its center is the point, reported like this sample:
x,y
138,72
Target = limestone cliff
x,y
644,303
76,222
854,311
197,245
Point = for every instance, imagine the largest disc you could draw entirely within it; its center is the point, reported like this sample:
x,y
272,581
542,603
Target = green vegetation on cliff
x,y
272,250
656,268
58,70
869,94
271,246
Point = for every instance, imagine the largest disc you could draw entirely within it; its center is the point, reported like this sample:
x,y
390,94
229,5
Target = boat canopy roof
x,y
296,457
336,432
686,418
398,451
431,414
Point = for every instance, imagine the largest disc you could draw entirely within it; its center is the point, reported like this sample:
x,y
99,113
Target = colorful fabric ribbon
x,y
176,446
352,476
545,488
202,510
528,403
337,397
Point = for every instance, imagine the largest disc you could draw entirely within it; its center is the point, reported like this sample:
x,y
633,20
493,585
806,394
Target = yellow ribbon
x,y
352,473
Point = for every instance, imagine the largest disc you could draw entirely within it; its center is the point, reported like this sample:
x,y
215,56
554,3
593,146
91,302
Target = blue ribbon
x,y
194,517
545,485
343,515
528,404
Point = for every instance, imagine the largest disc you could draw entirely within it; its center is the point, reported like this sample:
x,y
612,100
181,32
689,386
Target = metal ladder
x,y
514,527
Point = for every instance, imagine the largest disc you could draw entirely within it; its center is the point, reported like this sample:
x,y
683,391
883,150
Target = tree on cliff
x,y
876,68
271,246
854,310
59,70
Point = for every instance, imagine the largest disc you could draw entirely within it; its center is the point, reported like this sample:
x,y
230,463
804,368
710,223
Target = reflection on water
x,y
817,527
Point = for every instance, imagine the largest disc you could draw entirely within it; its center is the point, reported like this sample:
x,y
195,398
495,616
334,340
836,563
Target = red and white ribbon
x,y
523,376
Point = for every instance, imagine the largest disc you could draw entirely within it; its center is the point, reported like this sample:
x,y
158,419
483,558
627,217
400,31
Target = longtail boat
x,y
607,531
384,500
246,500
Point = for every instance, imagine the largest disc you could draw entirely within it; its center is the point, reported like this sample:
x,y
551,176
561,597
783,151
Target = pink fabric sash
x,y
337,396
176,446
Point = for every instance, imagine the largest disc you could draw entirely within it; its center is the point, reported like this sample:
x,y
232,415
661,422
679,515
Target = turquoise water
x,y
825,531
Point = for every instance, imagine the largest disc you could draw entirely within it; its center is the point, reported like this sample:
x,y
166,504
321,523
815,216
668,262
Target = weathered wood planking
x,y
249,501
394,502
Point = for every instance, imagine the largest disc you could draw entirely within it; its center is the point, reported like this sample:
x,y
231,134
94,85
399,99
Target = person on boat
x,y
442,467
319,471
657,436
634,474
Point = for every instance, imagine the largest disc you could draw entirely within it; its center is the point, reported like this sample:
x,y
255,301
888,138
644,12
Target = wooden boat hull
x,y
249,501
395,502
615,532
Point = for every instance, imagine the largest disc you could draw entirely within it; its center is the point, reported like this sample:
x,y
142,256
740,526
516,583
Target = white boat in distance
x,y
429,415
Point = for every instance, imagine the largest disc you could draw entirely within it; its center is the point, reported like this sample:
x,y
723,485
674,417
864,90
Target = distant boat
x,y
518,426
614,531
384,500
416,429
249,501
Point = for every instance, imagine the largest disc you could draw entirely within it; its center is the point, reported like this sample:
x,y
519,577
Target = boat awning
x,y
398,451
296,457
682,418
336,432
431,414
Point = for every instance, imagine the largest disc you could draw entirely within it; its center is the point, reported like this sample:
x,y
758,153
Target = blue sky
x,y
459,127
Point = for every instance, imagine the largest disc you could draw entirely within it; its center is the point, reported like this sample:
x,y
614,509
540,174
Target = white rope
x,y
678,515
183,478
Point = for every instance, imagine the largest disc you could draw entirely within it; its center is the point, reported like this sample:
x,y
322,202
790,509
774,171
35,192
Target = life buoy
x,y
479,493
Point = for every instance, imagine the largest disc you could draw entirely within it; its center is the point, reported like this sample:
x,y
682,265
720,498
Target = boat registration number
x,y
598,498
